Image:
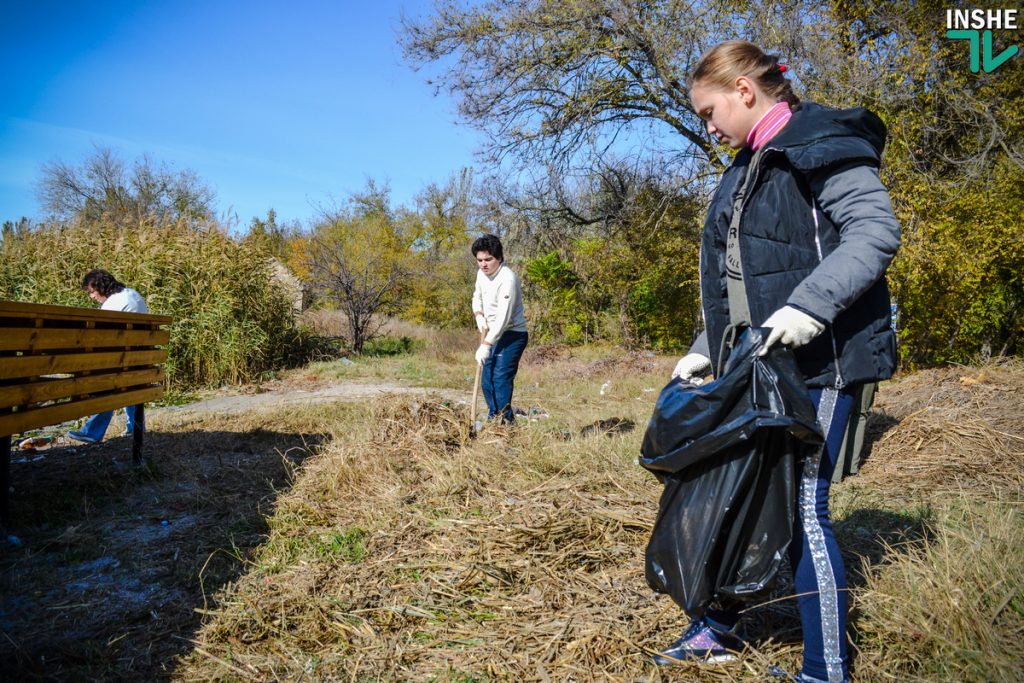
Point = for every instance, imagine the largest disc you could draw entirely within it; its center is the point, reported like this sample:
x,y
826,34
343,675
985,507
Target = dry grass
x,y
434,345
487,556
951,608
406,550
409,552
959,429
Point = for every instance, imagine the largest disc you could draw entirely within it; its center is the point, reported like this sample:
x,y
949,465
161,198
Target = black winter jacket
x,y
817,233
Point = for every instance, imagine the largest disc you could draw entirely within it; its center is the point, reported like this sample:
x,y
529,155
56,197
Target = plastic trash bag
x,y
727,454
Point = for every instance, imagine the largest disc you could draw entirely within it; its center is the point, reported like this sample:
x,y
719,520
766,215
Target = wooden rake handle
x,y
476,390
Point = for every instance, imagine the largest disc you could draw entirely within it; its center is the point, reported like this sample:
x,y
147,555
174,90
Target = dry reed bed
x,y
408,551
487,556
959,429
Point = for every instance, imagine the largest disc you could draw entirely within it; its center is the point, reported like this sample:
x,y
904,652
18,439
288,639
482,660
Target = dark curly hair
x,y
490,244
102,281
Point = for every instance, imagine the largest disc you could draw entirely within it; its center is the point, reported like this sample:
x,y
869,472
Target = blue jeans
x,y
819,576
499,374
96,426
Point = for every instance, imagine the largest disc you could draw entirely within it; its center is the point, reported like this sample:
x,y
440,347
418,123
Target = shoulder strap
x,y
739,309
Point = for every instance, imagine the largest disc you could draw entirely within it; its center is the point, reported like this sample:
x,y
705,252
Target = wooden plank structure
x,y
60,363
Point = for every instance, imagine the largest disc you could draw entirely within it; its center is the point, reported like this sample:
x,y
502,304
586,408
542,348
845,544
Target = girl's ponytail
x,y
724,63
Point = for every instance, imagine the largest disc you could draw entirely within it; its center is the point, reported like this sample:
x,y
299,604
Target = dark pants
x,y
499,374
819,576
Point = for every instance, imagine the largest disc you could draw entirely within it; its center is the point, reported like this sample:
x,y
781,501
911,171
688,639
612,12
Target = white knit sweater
x,y
500,299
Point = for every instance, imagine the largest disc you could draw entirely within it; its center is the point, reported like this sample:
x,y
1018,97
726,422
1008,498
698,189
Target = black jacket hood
x,y
854,135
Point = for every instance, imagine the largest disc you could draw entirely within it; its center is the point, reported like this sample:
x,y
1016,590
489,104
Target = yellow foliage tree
x,y
360,258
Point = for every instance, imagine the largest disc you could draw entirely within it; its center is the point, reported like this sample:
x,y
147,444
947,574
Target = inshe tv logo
x,y
976,25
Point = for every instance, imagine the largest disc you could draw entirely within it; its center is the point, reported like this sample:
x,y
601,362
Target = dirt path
x,y
291,396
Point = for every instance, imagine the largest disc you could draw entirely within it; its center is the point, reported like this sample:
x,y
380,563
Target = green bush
x,y
389,346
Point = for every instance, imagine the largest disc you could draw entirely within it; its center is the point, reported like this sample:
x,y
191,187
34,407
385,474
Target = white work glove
x,y
482,353
792,327
692,366
481,323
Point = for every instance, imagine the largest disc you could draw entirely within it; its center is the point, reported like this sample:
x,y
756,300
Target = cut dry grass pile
x,y
419,554
405,550
950,430
408,551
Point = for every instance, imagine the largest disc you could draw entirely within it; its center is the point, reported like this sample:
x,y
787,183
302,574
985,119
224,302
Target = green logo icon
x,y
981,49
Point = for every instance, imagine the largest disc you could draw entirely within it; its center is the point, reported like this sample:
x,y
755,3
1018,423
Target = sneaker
x,y
702,644
81,436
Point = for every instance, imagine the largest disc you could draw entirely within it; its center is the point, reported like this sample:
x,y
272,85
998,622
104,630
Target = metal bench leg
x,y
138,429
5,483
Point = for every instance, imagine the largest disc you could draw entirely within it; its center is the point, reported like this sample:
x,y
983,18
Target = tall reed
x,y
231,321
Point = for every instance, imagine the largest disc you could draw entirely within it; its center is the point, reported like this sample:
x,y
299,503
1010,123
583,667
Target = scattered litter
x,y
346,361
164,522
34,442
609,426
14,540
648,390
604,387
533,413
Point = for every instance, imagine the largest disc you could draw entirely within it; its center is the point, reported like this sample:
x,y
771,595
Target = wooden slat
x,y
49,338
13,367
17,309
52,389
15,423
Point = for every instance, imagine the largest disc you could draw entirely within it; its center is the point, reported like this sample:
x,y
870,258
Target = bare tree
x,y
359,258
559,84
104,186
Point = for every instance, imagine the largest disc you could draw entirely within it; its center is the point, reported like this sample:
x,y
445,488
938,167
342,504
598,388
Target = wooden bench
x,y
59,363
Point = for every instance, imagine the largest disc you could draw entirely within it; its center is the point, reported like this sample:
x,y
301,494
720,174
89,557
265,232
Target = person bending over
x,y
111,295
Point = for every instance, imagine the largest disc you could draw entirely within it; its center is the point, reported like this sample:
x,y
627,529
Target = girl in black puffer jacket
x,y
797,239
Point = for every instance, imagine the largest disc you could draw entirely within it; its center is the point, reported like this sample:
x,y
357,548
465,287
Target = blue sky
x,y
289,106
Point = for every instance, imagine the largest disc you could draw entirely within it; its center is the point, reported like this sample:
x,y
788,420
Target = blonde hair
x,y
724,63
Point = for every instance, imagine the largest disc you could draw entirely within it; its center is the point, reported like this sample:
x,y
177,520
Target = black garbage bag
x,y
727,454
